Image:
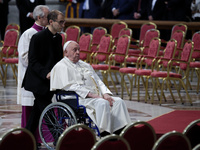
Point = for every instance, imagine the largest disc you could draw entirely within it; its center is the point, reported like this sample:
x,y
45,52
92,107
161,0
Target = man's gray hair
x,y
67,43
39,11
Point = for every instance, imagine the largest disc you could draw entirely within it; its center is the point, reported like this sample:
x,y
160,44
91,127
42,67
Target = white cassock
x,y
25,98
82,79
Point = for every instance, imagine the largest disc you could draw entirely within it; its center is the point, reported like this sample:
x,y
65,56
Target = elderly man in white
x,y
71,74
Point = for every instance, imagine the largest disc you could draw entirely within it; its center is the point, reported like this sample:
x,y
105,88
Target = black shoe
x,y
104,133
119,131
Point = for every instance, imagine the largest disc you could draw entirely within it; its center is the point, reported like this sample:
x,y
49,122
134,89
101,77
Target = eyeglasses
x,y
61,22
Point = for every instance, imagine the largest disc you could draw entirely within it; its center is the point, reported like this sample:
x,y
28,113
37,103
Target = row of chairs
x,y
136,136
107,67
73,33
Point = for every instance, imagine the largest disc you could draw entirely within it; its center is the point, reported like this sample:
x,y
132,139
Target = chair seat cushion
x,y
11,60
131,59
195,64
146,72
100,67
127,70
163,74
134,51
114,67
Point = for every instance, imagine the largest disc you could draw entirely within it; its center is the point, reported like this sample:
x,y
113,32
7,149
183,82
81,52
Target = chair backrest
x,y
122,48
179,36
10,42
197,147
192,131
172,141
169,51
85,45
104,47
196,40
12,26
111,142
144,28
18,138
153,50
186,54
64,37
125,31
179,26
96,37
73,33
78,136
140,135
150,34
115,29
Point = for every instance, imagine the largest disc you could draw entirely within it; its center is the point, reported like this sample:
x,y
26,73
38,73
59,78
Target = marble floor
x,y
10,112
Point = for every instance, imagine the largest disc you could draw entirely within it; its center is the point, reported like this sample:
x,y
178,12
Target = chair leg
x,y
198,76
178,91
126,85
131,86
190,100
170,90
2,79
122,85
113,82
146,90
154,86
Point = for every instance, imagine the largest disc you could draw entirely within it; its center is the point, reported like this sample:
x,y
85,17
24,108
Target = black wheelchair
x,y
60,115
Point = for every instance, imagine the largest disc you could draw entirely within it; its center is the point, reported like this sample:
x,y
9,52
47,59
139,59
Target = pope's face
x,y
73,52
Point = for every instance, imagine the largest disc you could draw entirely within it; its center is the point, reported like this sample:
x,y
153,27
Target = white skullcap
x,y
66,44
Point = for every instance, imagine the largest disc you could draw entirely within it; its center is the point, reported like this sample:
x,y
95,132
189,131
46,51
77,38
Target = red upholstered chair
x,y
168,75
172,141
150,34
111,142
195,64
179,36
96,37
78,136
73,33
8,53
179,26
125,31
64,37
85,46
116,60
18,138
140,135
144,28
192,132
9,48
103,50
148,60
13,26
139,60
115,30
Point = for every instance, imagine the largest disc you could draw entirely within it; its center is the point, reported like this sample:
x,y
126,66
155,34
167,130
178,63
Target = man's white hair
x,y
66,44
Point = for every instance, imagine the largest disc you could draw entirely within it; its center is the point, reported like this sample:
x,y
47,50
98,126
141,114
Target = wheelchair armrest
x,y
68,97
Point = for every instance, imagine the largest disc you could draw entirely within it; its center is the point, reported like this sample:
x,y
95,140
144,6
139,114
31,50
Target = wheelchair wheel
x,y
54,119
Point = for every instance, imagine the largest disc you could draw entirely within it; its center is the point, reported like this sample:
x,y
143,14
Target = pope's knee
x,y
104,103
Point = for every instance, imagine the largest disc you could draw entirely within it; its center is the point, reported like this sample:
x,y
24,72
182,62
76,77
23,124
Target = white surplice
x,y
24,97
82,79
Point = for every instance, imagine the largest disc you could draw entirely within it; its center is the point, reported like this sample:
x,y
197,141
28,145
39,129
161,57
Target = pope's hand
x,y
108,98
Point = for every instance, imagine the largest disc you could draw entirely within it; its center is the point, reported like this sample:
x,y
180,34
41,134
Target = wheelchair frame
x,y
60,115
